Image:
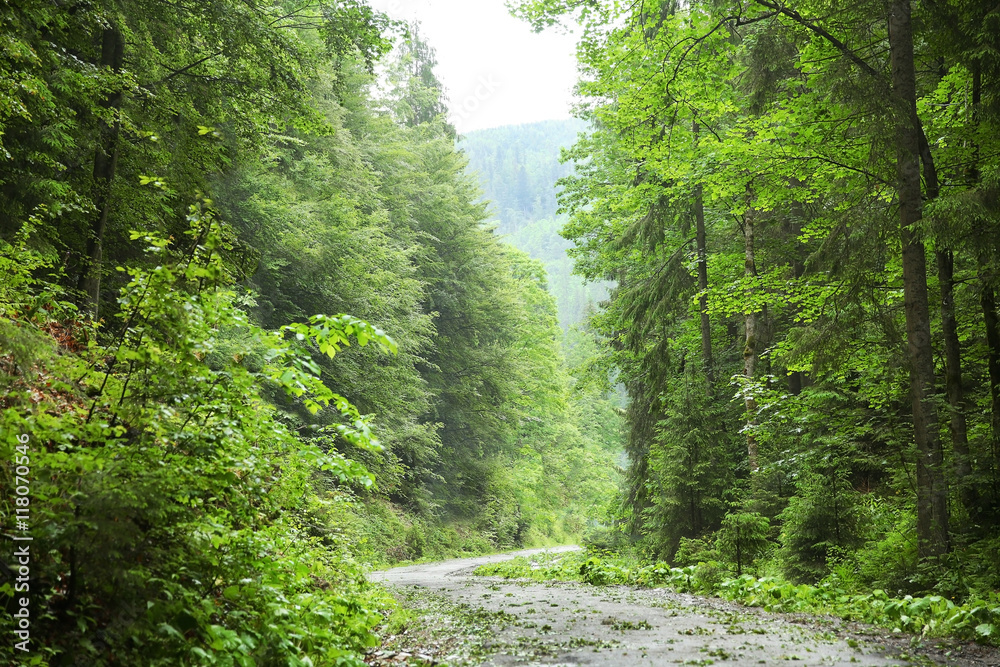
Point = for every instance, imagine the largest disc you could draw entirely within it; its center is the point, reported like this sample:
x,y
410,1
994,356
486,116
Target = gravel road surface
x,y
531,623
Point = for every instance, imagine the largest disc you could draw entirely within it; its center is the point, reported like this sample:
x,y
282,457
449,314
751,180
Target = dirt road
x,y
489,621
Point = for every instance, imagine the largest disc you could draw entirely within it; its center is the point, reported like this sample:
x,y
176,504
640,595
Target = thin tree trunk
x,y
932,493
952,346
977,97
988,301
953,380
987,295
105,164
953,349
795,378
798,268
750,348
706,323
739,551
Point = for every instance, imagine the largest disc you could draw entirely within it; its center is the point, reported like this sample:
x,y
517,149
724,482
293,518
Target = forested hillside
x,y
518,167
267,323
255,333
798,205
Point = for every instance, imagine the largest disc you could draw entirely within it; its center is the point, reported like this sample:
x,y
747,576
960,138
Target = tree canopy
x,y
255,333
797,205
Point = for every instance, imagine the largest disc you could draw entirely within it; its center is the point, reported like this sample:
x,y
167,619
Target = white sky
x,y
495,70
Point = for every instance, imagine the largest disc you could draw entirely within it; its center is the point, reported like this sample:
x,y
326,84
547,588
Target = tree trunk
x,y
988,301
750,348
977,97
706,324
932,492
105,164
798,269
953,380
952,346
987,295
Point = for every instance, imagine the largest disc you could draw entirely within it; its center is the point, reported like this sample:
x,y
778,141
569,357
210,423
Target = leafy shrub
x,y
966,571
933,615
176,519
930,615
695,550
743,538
602,538
888,561
823,514
541,567
416,542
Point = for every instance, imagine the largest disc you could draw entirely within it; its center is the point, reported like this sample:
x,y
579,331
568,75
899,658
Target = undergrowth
x,y
172,517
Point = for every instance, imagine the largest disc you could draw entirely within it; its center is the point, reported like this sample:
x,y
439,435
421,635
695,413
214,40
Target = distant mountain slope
x,y
518,166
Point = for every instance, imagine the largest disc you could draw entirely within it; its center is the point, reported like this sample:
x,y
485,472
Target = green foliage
x,y
211,454
133,83
179,540
575,299
685,481
518,167
930,615
822,515
416,95
206,472
694,551
18,263
743,538
933,616
888,559
963,573
737,184
544,566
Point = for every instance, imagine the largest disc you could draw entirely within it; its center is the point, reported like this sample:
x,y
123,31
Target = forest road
x,y
555,623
